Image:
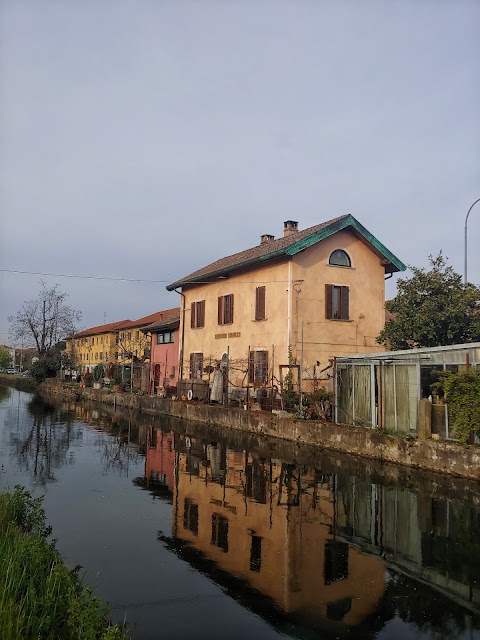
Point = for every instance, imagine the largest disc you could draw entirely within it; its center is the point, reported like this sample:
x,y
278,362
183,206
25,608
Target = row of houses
x,y
284,307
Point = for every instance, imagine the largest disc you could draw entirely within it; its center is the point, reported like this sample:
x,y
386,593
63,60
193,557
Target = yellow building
x,y
116,342
303,299
96,345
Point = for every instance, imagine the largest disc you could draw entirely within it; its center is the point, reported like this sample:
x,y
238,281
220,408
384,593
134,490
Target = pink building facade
x,y
164,353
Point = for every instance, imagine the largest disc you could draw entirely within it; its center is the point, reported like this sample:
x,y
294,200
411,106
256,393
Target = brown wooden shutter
x,y
251,367
193,309
260,303
220,310
345,303
202,314
264,356
192,365
230,317
329,301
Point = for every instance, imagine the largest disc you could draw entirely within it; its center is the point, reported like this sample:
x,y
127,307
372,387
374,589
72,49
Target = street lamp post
x,y
466,222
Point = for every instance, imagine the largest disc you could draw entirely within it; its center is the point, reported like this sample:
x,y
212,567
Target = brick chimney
x,y
266,238
289,227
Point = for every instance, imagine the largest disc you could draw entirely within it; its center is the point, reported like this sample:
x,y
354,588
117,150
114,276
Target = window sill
x,y
259,319
340,266
338,320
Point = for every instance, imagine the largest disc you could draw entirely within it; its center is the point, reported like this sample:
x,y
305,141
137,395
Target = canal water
x,y
191,532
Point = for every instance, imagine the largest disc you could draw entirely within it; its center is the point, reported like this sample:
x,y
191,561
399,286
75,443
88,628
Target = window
x,y
338,610
256,483
337,302
225,309
220,532
258,368
190,516
260,303
196,365
339,258
256,553
165,337
336,561
197,314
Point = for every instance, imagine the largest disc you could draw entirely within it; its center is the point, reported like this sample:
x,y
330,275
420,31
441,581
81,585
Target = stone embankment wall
x,y
433,455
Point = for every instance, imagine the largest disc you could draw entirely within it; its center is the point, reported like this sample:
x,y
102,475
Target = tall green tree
x,y
432,308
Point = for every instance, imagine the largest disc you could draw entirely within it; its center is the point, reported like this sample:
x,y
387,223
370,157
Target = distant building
x,y
121,342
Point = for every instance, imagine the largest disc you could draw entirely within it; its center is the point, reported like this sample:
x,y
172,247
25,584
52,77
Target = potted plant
x,y
98,372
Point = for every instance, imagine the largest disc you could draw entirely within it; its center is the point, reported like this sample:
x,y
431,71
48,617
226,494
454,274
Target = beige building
x,y
299,299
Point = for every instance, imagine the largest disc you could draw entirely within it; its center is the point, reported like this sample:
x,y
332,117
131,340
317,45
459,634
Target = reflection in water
x,y
43,441
321,551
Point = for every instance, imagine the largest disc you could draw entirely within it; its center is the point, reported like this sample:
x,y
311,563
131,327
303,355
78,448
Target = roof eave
x,y
219,272
394,264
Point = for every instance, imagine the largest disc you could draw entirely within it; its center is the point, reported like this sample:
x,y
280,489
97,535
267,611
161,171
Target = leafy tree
x,y
44,321
5,359
432,308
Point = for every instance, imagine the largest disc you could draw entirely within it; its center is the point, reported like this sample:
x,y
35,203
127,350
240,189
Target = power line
x,y
137,280
70,275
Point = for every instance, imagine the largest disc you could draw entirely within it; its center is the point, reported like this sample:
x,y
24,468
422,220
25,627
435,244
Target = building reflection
x,y
159,459
322,549
274,527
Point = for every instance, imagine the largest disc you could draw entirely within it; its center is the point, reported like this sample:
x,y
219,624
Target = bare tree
x,y
45,321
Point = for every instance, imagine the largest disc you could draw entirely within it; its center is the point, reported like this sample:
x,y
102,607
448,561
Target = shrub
x,y
39,596
42,369
462,393
98,372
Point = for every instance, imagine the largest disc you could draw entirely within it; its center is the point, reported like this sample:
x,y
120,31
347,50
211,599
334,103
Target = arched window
x,y
340,258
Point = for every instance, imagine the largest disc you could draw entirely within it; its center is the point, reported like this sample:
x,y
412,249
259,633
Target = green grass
x,y
40,598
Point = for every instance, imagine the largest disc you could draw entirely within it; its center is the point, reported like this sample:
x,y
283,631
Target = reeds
x,y
40,598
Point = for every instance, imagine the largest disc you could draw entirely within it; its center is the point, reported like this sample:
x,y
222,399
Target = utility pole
x,y
466,222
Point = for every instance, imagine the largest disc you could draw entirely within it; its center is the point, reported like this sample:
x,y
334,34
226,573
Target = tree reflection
x,y
5,393
42,444
118,450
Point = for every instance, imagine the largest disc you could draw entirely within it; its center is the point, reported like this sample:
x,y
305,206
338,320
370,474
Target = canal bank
x,y
432,455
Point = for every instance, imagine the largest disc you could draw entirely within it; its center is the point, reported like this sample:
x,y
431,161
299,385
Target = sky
x,y
144,139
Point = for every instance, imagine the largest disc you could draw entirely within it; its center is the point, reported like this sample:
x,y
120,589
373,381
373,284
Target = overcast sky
x,y
145,139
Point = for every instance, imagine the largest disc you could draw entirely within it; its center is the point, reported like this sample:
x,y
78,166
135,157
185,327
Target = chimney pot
x,y
289,227
266,238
